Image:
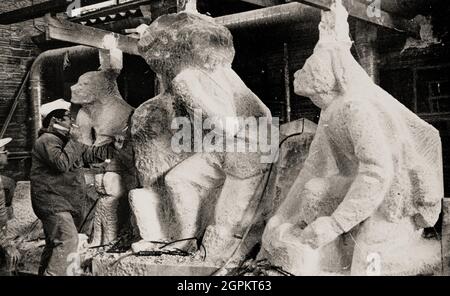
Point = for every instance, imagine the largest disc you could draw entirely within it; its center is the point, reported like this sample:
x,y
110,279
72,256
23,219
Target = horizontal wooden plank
x,y
63,30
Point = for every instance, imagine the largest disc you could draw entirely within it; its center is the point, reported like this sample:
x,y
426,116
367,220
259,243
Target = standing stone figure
x,y
373,174
103,117
194,192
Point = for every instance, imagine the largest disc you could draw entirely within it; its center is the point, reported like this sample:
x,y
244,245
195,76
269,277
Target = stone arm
x,y
98,154
317,165
372,151
210,93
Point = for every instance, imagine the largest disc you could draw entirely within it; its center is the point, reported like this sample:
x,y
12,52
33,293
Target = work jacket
x,y
57,179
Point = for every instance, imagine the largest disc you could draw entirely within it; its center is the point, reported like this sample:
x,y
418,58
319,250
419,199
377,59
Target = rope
x,y
89,213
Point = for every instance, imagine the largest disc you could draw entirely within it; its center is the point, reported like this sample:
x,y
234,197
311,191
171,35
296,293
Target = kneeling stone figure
x,y
191,193
372,180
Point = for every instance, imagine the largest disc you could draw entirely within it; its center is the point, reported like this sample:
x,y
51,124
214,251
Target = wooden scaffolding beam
x,y
63,30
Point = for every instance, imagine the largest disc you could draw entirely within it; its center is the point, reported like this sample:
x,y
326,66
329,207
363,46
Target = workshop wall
x,y
17,52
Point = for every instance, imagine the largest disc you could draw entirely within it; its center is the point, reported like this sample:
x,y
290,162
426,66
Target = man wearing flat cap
x,y
58,188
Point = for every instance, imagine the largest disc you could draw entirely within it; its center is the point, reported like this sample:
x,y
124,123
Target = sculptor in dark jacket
x,y
57,178
58,190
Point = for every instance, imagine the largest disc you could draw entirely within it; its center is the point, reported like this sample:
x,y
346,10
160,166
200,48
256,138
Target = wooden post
x,y
111,59
365,42
287,82
146,10
187,5
63,30
446,236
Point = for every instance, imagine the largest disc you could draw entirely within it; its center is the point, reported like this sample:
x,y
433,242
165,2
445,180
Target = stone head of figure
x,y
331,72
93,86
325,73
174,42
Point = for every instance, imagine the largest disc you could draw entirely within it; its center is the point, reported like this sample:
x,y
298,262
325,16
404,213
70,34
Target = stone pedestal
x,y
107,265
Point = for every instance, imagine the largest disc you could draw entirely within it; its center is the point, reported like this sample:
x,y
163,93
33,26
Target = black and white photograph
x,y
246,140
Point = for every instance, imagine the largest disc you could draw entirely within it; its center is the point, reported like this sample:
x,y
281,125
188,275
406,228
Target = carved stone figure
x,y
104,113
372,180
190,191
103,116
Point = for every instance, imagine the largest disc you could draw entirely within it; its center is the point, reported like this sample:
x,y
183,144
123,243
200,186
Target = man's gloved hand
x,y
321,232
75,133
119,140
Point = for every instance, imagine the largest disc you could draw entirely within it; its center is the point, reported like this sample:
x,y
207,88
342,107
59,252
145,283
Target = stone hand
x,y
274,222
321,232
140,30
12,257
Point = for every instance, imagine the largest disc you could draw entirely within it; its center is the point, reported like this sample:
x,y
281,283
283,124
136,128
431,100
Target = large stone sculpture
x,y
190,192
103,116
372,180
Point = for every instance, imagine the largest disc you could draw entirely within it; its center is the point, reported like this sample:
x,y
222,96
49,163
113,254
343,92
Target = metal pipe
x,y
406,8
286,13
37,83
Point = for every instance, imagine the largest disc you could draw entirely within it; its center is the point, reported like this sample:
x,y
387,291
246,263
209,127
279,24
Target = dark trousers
x,y
61,244
7,188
